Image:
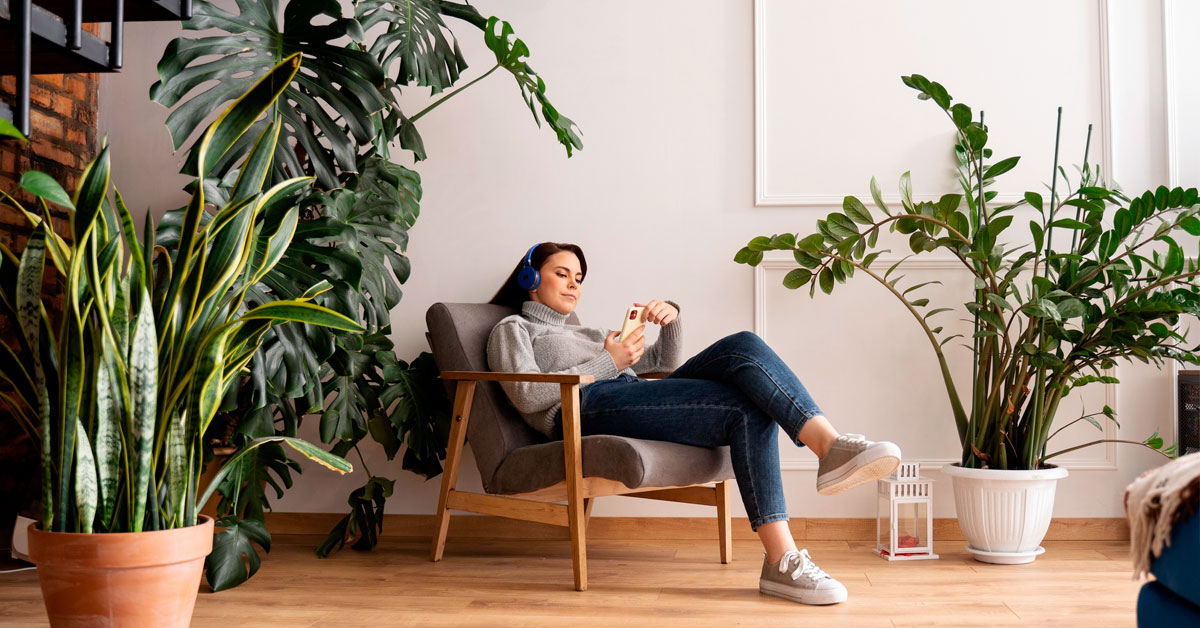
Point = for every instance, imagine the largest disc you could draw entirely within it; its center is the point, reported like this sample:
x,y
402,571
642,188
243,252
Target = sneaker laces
x,y
804,567
856,442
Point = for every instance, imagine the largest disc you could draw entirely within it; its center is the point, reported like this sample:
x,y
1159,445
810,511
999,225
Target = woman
x,y
735,392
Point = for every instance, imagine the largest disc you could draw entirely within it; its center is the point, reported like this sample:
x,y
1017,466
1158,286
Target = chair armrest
x,y
488,376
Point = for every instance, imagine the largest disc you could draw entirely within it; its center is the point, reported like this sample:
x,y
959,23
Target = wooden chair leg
x,y
587,509
454,449
574,479
724,522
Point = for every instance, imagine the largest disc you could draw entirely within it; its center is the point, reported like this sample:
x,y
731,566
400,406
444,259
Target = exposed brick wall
x,y
62,141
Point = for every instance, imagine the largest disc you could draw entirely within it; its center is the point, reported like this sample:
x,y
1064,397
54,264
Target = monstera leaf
x,y
333,78
417,42
400,406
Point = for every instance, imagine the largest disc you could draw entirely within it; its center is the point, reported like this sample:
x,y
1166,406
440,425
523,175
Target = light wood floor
x,y
645,583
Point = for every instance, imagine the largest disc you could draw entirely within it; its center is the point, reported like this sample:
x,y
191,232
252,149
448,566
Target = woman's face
x,y
560,287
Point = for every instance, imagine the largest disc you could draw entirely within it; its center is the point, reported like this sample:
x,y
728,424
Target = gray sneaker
x,y
853,460
799,579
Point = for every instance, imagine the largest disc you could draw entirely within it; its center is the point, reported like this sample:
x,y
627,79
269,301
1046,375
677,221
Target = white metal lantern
x,y
904,523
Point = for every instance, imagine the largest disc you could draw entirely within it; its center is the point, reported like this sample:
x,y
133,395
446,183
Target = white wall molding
x,y
1170,91
764,198
775,261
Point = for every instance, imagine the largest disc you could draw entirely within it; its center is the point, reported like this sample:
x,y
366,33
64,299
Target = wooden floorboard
x,y
644,582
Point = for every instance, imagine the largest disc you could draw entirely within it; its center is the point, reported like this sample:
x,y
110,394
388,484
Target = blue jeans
x,y
737,392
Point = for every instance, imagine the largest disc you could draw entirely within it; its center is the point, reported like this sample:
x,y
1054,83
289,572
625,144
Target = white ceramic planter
x,y
1004,514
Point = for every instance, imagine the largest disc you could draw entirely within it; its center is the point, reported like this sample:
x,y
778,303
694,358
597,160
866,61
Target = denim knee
x,y
746,341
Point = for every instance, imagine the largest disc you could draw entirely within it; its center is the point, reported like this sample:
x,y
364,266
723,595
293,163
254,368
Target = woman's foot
x,y
796,577
853,460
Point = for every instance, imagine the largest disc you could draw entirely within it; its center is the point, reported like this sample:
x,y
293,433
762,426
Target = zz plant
x,y
1098,277
121,387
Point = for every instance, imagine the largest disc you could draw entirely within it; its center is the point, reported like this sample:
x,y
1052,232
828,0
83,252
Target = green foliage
x,y
121,388
352,230
8,130
400,405
1046,320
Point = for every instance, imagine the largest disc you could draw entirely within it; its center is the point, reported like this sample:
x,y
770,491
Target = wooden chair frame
x,y
579,492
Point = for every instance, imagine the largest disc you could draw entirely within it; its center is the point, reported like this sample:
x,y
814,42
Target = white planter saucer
x,y
1006,558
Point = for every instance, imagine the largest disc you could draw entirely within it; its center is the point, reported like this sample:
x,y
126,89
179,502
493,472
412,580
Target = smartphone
x,y
633,319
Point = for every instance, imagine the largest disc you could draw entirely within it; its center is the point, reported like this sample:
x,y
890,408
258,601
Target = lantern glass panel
x,y
912,525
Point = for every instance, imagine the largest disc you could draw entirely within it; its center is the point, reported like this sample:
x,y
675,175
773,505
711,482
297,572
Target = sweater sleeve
x,y
510,350
665,353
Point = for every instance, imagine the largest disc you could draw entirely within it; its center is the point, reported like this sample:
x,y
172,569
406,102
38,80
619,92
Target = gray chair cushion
x,y
632,461
513,457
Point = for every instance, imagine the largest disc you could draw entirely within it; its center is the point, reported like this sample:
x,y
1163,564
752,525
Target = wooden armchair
x,y
524,474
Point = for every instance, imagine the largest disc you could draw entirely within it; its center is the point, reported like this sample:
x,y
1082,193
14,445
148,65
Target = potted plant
x,y
120,386
355,384
1052,310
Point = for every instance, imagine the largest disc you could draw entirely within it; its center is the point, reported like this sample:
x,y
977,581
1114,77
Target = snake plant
x,y
120,386
1097,277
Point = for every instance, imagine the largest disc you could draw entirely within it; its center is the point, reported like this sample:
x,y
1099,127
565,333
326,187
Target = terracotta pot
x,y
126,579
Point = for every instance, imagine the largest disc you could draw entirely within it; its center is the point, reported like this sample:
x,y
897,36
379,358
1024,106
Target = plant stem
x,y
451,94
960,416
363,460
1103,440
1086,147
1039,390
1055,433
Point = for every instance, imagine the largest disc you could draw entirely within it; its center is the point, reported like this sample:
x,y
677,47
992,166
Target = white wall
x,y
660,199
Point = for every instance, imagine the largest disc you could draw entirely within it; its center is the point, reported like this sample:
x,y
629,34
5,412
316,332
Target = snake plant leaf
x,y
8,130
243,113
137,258
273,242
198,75
70,406
301,312
44,186
29,285
231,233
143,373
178,464
417,42
108,443
89,196
254,172
85,480
303,447
208,380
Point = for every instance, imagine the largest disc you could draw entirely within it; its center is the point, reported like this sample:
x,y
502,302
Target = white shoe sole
x,y
803,596
870,464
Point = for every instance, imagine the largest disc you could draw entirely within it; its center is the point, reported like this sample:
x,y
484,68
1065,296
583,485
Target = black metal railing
x,y
48,38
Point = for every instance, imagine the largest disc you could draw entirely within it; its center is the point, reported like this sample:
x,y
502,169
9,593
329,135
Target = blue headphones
x,y
528,277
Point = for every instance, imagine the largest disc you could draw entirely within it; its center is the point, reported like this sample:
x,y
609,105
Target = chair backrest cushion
x,y
458,335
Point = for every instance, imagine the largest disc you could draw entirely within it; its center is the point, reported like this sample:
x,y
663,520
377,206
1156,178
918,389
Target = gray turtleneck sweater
x,y
539,340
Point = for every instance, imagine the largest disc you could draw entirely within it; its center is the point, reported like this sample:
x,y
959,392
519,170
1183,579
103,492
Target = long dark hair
x,y
512,295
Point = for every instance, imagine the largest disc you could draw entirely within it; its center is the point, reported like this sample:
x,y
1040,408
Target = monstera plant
x,y
121,386
340,116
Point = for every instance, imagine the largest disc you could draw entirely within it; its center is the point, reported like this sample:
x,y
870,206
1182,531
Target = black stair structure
x,y
48,38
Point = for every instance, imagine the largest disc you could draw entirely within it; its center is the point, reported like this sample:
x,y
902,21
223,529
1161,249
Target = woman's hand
x,y
658,312
626,354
